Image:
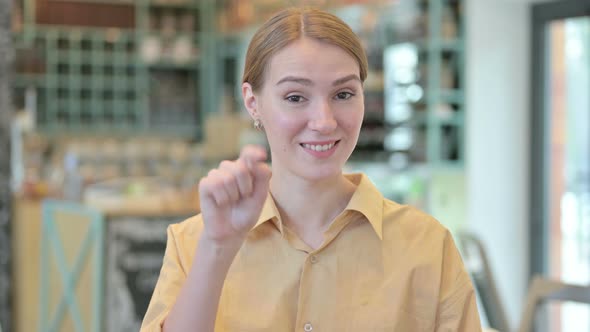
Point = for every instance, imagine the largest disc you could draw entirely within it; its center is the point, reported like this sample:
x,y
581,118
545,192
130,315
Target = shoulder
x,y
185,236
189,227
411,224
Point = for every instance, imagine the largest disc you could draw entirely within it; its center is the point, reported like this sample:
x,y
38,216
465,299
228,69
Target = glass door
x,y
560,210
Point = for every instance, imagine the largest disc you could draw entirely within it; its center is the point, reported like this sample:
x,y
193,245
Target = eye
x,y
344,95
294,99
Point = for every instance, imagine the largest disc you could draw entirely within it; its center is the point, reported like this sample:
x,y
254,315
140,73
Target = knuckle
x,y
227,179
205,183
241,171
225,164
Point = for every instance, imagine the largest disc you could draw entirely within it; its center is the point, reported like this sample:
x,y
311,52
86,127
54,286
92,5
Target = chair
x,y
540,291
543,290
477,263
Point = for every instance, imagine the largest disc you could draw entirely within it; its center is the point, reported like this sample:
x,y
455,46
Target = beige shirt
x,y
382,267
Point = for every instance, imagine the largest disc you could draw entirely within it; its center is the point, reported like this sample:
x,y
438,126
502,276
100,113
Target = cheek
x,y
352,122
285,124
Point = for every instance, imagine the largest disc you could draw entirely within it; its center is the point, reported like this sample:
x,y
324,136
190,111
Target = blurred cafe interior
x,y
476,111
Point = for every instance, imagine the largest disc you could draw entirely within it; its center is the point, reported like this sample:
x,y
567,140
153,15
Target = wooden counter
x,y
133,240
26,239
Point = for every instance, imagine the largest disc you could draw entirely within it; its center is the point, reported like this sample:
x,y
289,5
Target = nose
x,y
322,118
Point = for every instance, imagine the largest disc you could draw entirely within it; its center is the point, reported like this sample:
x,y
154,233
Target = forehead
x,y
313,58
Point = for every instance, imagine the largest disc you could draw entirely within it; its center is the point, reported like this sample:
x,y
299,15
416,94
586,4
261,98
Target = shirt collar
x,y
366,200
270,212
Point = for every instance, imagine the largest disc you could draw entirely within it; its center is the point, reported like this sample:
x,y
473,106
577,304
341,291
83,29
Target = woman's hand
x,y
232,196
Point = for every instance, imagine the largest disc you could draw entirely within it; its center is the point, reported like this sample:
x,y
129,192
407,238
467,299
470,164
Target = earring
x,y
258,125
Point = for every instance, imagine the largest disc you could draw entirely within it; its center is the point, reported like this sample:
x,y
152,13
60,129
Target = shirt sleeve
x,y
170,281
457,309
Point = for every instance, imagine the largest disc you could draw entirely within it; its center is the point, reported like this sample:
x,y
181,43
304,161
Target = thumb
x,y
262,173
254,158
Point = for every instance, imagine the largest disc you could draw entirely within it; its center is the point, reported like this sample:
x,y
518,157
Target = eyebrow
x,y
308,82
346,79
300,80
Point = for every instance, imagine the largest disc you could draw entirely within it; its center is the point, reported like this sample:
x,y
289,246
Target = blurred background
x,y
477,111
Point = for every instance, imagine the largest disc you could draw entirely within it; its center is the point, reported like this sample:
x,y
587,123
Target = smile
x,y
320,149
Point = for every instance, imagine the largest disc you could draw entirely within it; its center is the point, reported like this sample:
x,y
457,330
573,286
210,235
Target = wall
x,y
498,39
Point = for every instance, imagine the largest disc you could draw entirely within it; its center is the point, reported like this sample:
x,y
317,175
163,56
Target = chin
x,y
317,174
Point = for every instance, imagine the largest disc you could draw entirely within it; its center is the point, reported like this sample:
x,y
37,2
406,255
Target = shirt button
x,y
313,259
307,327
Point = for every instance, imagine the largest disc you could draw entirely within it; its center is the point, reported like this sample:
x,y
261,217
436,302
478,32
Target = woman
x,y
307,248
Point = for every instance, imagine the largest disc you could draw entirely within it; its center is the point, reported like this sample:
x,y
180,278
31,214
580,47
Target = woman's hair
x,y
291,24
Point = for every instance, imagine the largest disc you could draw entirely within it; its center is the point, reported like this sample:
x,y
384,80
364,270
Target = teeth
x,y
324,147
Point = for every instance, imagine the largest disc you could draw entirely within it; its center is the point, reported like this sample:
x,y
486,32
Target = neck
x,y
316,203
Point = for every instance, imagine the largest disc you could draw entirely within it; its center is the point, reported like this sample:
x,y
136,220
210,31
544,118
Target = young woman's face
x,y
311,106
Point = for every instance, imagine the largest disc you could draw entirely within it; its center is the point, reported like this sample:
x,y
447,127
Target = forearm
x,y
197,303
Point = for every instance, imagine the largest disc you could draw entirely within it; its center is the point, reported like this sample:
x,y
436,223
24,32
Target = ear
x,y
250,100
